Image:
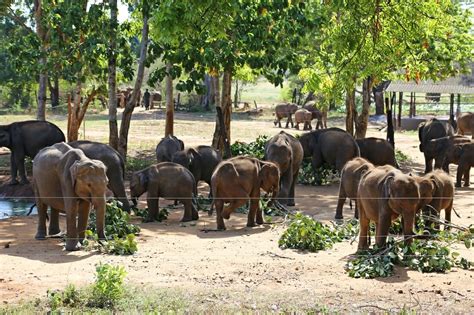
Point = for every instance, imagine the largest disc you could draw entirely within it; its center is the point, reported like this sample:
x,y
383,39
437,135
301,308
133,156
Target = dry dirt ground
x,y
241,266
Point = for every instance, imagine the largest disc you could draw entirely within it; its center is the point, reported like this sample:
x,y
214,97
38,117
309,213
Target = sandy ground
x,y
242,265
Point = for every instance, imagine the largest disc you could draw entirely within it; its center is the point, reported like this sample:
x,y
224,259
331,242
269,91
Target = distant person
x,y
146,99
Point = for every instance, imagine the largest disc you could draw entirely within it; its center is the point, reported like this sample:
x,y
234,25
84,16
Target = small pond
x,y
15,207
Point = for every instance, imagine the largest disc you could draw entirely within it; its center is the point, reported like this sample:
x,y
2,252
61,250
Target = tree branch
x,y
19,20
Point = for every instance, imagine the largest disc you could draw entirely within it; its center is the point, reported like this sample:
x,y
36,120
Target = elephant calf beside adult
x,y
377,151
445,150
114,163
428,130
168,146
65,179
27,138
287,153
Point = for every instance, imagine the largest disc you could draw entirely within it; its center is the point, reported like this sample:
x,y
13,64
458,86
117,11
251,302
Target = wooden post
x,y
414,104
400,103
69,112
458,108
411,105
451,109
388,110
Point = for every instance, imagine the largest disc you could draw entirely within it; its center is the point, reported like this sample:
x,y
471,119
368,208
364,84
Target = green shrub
x,y
135,164
402,157
255,149
70,297
121,246
372,264
143,213
108,287
325,175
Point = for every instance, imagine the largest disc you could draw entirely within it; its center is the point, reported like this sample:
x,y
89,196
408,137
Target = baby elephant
x,y
466,161
303,116
350,177
167,180
239,179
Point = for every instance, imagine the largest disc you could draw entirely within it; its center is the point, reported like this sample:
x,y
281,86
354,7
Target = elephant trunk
x,y
99,206
135,201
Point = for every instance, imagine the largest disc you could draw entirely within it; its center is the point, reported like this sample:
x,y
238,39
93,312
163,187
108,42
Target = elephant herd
x,y
72,177
302,115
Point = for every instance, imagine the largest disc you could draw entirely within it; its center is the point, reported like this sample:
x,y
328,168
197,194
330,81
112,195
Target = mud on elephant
x,y
27,138
238,180
166,180
65,179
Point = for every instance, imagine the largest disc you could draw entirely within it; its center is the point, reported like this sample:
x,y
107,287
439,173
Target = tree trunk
x,y
400,103
112,79
54,91
222,132
169,102
350,109
378,96
362,120
390,131
127,112
78,111
43,77
215,90
206,100
236,94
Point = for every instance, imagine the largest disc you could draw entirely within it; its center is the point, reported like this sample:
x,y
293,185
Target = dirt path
x,y
241,265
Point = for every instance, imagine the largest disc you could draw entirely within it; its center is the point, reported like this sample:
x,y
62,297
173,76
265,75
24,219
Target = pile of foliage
x,y
401,157
118,229
143,213
107,289
324,175
255,148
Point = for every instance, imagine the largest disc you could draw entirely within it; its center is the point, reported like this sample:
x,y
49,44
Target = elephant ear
x,y
386,187
181,144
73,171
193,157
143,179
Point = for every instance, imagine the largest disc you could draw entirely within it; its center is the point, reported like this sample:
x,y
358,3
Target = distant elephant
x,y
114,163
428,130
284,110
65,179
287,153
378,151
323,113
465,124
201,161
385,193
333,146
238,180
441,198
444,150
350,178
168,146
303,116
27,138
466,161
166,180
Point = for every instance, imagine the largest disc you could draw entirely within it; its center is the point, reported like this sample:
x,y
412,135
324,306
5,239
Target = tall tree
x,y
112,75
42,33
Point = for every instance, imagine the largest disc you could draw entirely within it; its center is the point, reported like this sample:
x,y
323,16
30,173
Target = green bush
x,y
325,175
108,287
255,149
135,164
401,157
70,297
143,213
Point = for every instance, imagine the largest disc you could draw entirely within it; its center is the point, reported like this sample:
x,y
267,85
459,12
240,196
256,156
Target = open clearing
x,y
241,266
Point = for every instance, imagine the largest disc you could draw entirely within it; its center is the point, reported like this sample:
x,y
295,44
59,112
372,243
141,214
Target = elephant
x,y
287,153
385,193
284,110
315,114
350,177
428,130
465,123
378,151
444,150
201,161
239,179
303,116
65,179
114,163
27,138
333,146
167,180
466,161
322,114
441,198
168,146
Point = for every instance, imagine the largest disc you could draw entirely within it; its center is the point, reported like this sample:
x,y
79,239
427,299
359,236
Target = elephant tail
x,y
31,209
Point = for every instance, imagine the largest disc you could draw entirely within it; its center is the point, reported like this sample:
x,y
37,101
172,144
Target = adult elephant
x,y
65,179
238,180
466,161
287,153
27,138
465,124
333,146
321,115
428,130
284,110
377,151
444,150
114,163
168,146
201,161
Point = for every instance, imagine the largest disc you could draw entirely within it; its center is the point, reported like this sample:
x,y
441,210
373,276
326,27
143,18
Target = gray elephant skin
x,y
166,180
238,180
466,161
428,130
287,153
27,138
114,163
168,146
284,110
377,151
68,181
333,146
445,150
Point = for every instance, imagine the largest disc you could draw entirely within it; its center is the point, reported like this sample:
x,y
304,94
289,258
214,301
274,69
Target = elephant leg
x,y
13,169
356,209
189,214
466,176
279,123
153,207
259,217
71,220
41,231
20,163
340,203
408,222
219,204
363,230
428,164
316,162
288,122
54,222
459,174
291,197
118,188
447,214
382,226
83,209
253,209
234,204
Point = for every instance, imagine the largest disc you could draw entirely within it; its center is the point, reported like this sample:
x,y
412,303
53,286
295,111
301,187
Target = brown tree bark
x,y
169,102
362,120
112,76
78,111
128,111
350,110
221,138
54,91
43,77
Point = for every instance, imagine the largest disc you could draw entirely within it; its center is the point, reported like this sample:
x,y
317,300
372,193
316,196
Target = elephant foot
x,y
226,215
24,181
195,216
187,219
339,217
291,203
57,235
72,245
467,184
221,228
260,222
458,185
251,224
40,236
148,220
54,231
13,182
